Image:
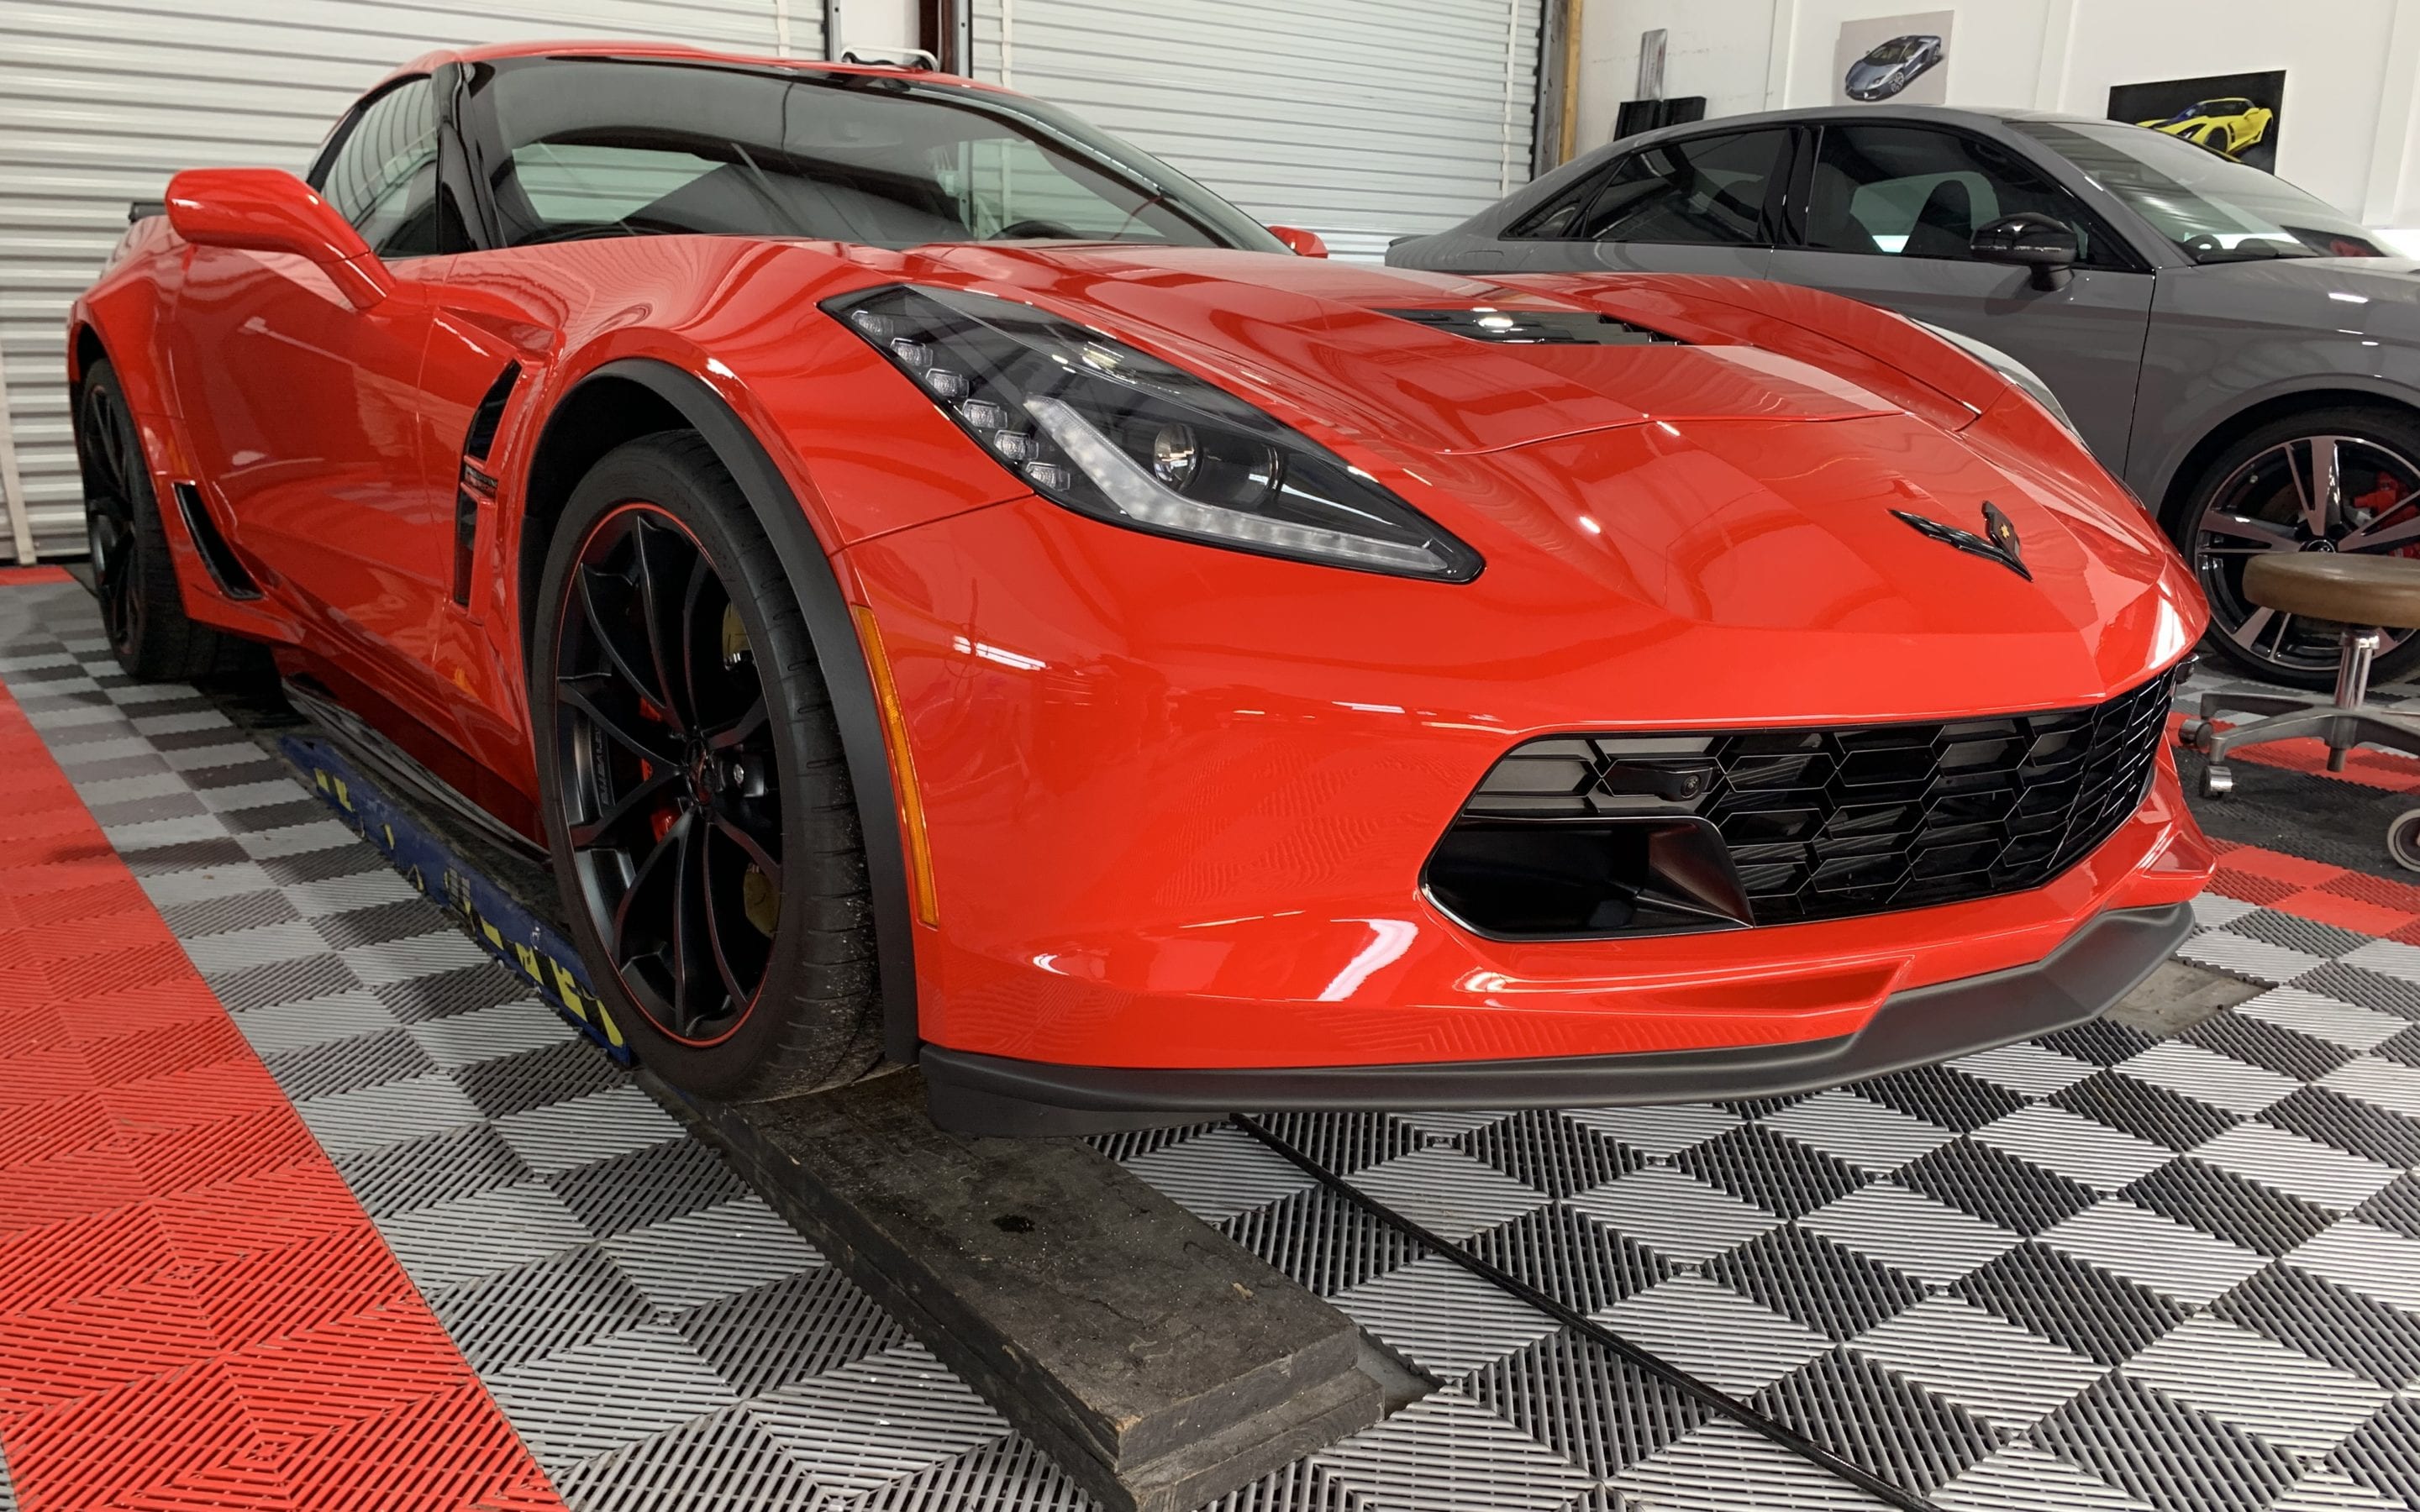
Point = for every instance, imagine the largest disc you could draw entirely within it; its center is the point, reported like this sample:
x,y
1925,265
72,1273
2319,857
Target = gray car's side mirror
x,y
2028,238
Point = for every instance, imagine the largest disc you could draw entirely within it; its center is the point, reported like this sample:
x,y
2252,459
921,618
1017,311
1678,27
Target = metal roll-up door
x,y
98,104
1359,119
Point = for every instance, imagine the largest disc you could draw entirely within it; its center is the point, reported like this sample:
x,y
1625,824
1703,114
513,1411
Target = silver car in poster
x,y
2234,349
1891,66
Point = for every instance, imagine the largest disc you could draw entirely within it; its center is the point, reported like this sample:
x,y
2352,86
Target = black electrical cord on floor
x,y
1662,1369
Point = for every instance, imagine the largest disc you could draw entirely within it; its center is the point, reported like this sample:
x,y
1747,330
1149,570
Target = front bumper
x,y
2097,966
1179,801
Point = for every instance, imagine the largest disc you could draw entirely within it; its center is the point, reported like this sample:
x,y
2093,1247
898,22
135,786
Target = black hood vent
x,y
1547,328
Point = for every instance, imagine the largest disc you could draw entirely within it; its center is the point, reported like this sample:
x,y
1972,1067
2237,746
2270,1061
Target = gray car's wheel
x,y
2326,480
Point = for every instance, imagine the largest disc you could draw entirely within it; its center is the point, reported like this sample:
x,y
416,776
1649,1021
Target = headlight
x,y
2010,368
1114,433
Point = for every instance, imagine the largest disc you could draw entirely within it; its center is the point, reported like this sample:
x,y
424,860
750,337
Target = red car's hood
x,y
1667,491
1308,338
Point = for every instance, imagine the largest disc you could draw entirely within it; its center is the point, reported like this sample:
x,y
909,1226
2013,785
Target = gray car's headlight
x,y
2007,367
1101,429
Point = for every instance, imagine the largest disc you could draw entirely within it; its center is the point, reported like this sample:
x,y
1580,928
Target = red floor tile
x,y
2331,907
195,1313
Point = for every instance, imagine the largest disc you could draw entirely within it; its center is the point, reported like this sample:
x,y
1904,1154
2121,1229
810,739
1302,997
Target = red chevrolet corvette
x,y
946,588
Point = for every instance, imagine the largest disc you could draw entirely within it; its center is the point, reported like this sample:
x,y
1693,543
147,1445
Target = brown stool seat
x,y
2322,585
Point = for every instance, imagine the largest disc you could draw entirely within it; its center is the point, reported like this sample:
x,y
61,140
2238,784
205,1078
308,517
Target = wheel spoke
x,y
649,872
2271,536
690,902
738,994
634,804
725,736
755,852
2327,486
700,575
628,734
608,636
2377,537
2247,635
655,595
2307,504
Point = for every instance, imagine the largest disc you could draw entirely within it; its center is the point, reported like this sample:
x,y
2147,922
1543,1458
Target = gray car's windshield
x,y
2215,209
613,147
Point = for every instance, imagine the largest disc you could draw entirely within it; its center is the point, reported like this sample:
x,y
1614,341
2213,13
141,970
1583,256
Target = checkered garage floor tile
x,y
2101,1271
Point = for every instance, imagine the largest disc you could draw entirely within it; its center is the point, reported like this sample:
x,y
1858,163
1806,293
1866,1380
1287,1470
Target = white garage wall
x,y
2352,68
101,103
1359,119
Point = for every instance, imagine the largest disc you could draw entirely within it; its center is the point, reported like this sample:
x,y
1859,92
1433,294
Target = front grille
x,y
1647,834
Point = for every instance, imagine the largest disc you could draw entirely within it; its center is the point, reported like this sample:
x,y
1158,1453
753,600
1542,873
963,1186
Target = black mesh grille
x,y
1827,824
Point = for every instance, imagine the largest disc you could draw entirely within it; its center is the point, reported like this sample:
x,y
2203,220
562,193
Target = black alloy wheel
x,y
2328,483
142,606
671,787
113,467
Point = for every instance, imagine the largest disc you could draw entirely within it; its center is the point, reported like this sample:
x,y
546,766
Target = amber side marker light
x,y
902,768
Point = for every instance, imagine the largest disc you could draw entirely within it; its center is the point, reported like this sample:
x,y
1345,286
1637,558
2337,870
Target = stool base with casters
x,y
2362,592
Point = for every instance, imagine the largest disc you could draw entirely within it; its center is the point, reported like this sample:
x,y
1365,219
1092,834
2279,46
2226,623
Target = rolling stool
x,y
2362,592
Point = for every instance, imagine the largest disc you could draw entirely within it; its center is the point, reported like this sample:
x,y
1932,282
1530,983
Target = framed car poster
x,y
2234,115
1904,59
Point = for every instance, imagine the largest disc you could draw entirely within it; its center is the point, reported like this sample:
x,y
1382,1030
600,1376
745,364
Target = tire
x,y
697,803
2250,498
142,607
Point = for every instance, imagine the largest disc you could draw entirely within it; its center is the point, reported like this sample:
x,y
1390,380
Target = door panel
x,y
1889,211
2085,340
304,416
310,421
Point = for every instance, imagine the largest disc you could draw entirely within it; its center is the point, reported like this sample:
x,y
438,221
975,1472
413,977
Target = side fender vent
x,y
225,570
475,486
490,413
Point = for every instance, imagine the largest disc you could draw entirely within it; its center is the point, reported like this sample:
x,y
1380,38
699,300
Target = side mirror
x,y
269,210
1305,244
2030,239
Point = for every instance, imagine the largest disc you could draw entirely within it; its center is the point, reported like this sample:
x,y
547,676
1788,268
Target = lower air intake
x,y
1594,836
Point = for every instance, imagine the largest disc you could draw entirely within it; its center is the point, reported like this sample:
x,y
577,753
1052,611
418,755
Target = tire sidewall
x,y
773,1032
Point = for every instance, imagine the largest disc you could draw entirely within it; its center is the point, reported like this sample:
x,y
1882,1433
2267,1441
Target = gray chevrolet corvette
x,y
2236,350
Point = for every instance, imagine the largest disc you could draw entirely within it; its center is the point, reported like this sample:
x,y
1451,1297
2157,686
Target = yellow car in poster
x,y
2229,125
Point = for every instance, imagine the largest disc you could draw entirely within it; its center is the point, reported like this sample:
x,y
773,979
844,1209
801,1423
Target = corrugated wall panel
x,y
1361,120
99,103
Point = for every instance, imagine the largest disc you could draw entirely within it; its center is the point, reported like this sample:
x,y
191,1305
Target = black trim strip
x,y
1571,1318
2101,963
808,568
226,570
383,759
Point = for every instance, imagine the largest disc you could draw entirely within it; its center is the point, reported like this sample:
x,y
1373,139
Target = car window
x,y
2212,208
1913,192
609,146
1701,189
382,176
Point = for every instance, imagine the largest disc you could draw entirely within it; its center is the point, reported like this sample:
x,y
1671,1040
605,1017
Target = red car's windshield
x,y
611,146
